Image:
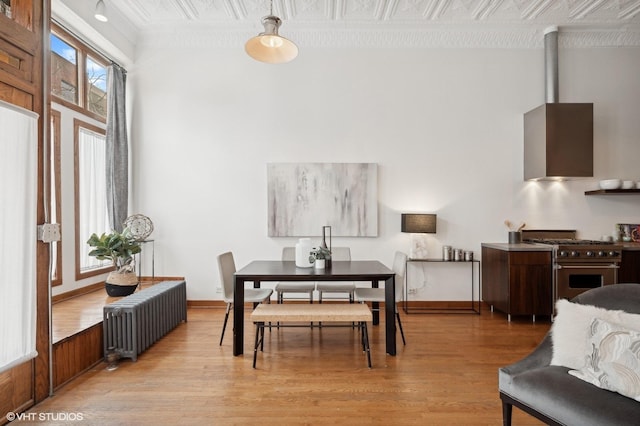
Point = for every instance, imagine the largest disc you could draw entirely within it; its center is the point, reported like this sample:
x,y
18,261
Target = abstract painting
x,y
303,197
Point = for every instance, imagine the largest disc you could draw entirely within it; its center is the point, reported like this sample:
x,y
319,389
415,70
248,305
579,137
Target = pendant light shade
x,y
268,46
101,12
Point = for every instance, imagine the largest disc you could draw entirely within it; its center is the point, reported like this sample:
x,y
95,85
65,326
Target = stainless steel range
x,y
578,265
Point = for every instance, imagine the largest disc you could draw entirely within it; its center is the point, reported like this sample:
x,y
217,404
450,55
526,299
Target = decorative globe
x,y
140,226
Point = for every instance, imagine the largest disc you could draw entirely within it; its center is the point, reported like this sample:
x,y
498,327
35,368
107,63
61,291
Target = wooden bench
x,y
303,312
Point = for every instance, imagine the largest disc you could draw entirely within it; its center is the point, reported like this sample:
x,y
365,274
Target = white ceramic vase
x,y
303,248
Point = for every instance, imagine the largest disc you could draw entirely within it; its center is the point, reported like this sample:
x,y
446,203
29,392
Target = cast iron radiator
x,y
135,322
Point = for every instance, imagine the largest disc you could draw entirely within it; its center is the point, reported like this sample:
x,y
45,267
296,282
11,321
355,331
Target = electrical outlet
x,y
412,291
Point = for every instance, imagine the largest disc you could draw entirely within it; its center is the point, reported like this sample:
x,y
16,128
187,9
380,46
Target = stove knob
x,y
590,253
601,253
613,253
575,254
562,254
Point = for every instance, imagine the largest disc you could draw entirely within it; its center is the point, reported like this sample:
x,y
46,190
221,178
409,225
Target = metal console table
x,y
153,261
474,307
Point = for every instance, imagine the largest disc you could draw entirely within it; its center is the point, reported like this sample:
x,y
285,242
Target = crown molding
x,y
458,37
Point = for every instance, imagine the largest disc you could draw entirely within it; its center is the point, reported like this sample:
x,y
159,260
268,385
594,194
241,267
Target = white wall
x,y
444,126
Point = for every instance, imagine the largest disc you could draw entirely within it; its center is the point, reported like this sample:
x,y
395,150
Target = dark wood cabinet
x,y
629,271
517,282
21,55
21,83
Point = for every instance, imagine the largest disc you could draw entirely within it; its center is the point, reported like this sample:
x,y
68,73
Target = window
x,y
78,75
64,70
90,195
54,196
97,87
79,83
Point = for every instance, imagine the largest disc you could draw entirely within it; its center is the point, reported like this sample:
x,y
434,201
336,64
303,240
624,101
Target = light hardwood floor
x,y
445,375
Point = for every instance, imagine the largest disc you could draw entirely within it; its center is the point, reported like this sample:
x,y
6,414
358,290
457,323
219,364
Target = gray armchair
x,y
551,394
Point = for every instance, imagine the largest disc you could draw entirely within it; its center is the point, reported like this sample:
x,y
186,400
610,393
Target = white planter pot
x,y
120,284
319,263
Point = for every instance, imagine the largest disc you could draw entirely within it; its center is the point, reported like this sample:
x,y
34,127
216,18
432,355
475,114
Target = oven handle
x,y
611,266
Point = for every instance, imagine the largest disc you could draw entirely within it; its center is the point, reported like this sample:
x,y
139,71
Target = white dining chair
x,y
348,287
226,268
365,294
289,254
337,254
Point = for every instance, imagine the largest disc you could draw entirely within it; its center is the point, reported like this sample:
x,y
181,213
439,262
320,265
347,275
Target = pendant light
x,y
101,11
268,46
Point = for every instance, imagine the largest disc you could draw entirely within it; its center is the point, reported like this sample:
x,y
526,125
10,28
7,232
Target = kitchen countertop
x,y
631,246
519,246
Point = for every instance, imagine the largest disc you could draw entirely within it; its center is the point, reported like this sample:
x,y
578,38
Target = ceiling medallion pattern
x,y
389,23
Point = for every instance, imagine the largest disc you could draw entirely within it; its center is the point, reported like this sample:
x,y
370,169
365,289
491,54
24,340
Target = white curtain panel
x,y
92,187
18,227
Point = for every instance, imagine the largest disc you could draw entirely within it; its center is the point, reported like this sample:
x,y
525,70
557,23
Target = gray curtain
x,y
117,158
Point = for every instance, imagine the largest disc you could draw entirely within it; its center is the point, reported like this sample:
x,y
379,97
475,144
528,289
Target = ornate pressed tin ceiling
x,y
388,23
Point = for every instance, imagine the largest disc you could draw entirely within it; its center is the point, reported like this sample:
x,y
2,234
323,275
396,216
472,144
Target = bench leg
x,y
365,336
259,341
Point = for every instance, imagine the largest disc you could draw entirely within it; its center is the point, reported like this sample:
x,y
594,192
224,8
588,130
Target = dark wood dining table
x,y
279,270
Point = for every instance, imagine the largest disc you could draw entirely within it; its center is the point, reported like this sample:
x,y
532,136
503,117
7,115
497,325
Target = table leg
x,y
375,306
238,317
390,314
256,284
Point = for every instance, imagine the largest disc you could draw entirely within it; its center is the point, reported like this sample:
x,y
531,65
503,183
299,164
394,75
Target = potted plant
x,y
318,256
119,248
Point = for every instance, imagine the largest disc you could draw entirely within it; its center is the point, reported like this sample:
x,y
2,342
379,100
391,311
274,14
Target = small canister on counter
x,y
446,253
515,237
457,255
468,256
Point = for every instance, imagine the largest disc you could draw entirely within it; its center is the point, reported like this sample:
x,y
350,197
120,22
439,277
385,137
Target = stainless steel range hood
x,y
558,137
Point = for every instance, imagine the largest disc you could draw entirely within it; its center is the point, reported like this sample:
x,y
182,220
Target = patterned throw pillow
x,y
570,327
613,359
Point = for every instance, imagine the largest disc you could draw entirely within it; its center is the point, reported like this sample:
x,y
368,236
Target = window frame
x,y
83,52
56,203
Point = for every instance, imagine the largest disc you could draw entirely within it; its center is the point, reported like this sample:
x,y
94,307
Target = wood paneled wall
x,y
16,389
76,354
